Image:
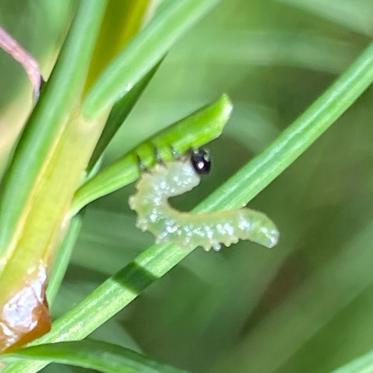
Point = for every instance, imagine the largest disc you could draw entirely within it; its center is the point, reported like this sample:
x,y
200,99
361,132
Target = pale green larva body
x,y
188,229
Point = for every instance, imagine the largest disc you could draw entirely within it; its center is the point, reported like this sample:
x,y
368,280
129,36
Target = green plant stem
x,y
100,356
193,131
293,141
346,276
49,117
131,15
363,364
119,290
62,258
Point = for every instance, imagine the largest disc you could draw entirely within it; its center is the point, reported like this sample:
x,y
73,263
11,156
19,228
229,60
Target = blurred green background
x,y
304,306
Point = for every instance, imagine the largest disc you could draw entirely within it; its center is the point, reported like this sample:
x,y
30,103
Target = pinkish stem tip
x,y
29,64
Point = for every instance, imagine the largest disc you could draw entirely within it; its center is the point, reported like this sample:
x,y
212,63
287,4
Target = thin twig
x,y
29,64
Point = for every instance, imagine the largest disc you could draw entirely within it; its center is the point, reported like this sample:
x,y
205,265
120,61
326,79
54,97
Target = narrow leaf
x,y
363,364
62,259
143,52
123,19
101,356
193,131
118,115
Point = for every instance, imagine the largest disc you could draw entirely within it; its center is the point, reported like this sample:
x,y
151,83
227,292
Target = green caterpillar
x,y
187,229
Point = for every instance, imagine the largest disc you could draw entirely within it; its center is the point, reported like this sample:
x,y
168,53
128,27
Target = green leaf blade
x,y
90,354
118,115
363,364
193,131
294,140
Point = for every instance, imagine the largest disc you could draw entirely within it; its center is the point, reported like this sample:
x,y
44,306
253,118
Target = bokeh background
x,y
304,306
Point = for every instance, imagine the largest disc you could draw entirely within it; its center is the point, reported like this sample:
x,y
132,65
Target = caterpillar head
x,y
175,177
184,173
201,161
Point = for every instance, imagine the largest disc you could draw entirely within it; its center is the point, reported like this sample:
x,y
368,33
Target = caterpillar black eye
x,y
201,161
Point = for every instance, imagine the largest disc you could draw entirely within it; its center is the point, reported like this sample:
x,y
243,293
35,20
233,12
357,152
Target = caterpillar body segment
x,y
187,229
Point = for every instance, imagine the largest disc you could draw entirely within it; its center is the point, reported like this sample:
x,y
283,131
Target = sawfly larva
x,y
189,229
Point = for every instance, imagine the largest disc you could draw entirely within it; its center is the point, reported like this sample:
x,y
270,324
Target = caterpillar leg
x,y
141,165
175,153
158,156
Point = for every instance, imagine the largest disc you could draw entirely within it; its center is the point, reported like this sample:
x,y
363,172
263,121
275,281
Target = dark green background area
x,y
304,306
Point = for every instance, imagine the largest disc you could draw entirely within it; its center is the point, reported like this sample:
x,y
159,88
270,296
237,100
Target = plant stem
x,y
295,139
90,354
62,259
131,15
193,131
49,118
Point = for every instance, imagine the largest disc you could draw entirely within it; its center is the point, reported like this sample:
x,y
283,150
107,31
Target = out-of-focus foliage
x,y
304,306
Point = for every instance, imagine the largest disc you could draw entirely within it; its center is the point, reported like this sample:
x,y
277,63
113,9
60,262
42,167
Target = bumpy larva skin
x,y
186,229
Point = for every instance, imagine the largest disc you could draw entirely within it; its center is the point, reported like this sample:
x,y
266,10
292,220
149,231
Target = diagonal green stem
x,y
118,115
292,142
193,131
62,259
119,290
362,364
